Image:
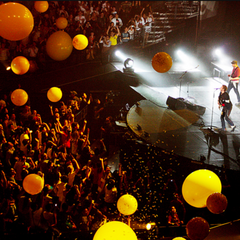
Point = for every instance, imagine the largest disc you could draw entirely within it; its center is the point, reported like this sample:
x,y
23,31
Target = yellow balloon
x,y
179,238
127,204
162,62
33,184
19,97
41,6
199,185
115,230
61,22
16,21
20,65
59,46
80,42
54,94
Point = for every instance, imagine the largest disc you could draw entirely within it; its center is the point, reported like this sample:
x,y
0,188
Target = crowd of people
x,y
105,24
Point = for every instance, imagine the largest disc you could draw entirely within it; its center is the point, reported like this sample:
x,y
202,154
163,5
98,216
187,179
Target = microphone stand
x,y
180,85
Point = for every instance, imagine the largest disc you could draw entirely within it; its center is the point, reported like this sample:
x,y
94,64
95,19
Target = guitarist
x,y
234,80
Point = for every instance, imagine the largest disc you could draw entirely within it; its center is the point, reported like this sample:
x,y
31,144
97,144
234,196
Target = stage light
x,y
149,226
218,52
120,55
128,63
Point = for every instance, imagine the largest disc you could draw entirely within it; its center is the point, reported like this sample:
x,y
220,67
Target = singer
x,y
225,104
234,80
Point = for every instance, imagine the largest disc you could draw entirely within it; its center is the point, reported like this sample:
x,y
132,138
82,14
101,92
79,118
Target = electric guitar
x,y
233,80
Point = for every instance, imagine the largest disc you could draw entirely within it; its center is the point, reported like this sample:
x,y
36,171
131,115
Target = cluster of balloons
x,y
198,185
162,62
115,230
33,184
127,204
202,188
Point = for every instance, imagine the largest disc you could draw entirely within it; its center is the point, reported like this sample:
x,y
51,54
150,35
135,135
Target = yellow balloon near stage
x,y
19,97
16,21
127,204
179,238
162,62
41,6
199,185
54,94
115,230
80,42
20,65
33,184
59,45
61,22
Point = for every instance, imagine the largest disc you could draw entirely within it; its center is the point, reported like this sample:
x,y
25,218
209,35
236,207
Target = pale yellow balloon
x,y
80,41
179,238
54,94
127,204
115,230
199,185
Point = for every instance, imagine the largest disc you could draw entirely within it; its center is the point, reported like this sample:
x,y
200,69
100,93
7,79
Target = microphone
x,y
197,66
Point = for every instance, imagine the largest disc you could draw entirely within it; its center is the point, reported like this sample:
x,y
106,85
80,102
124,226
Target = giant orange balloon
x,y
217,203
20,65
162,62
127,204
33,184
41,6
197,228
61,22
80,41
19,97
54,94
199,185
115,230
59,46
16,21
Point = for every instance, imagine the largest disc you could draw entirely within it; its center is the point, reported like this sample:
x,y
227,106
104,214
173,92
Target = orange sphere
x,y
80,42
217,203
16,21
54,94
197,228
161,62
33,184
61,22
19,97
20,65
59,46
41,6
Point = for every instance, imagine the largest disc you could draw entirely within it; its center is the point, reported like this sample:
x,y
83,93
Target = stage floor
x,y
182,132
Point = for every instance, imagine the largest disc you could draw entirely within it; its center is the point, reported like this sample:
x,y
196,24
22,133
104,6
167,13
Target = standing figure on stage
x,y
234,80
225,104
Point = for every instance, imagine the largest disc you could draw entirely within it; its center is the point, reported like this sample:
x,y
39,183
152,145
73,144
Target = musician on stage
x,y
234,80
225,104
